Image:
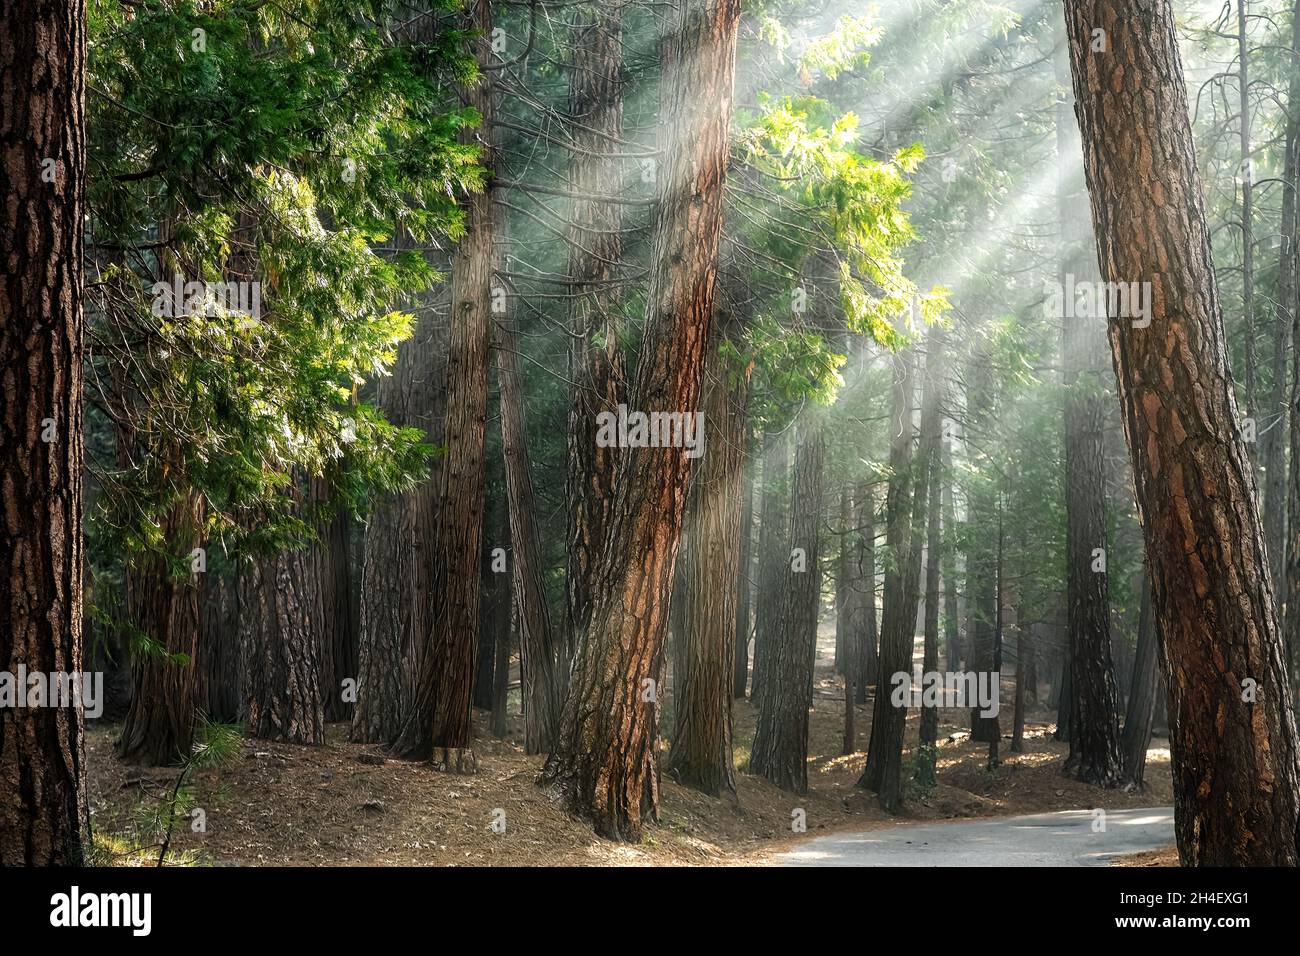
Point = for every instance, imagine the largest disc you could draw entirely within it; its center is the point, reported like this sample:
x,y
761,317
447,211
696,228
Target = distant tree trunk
x,y
596,366
1214,608
842,558
1094,728
502,627
870,657
1245,177
538,644
159,724
495,588
1142,698
281,618
701,753
981,569
1289,313
439,718
908,497
1022,674
999,621
221,693
605,762
744,584
948,566
396,592
773,552
339,614
44,819
780,750
929,739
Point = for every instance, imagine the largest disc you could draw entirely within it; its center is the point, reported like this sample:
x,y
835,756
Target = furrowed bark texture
x,y
605,764
44,819
1236,779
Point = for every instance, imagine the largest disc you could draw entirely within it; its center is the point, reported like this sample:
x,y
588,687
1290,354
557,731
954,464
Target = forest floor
x,y
348,804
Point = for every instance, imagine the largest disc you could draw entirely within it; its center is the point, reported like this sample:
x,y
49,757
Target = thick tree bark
x,y
780,750
701,754
160,721
281,619
605,763
44,819
439,718
397,545
1235,770
596,365
538,646
221,694
338,614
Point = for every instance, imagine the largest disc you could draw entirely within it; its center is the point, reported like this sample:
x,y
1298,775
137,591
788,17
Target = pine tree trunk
x,y
338,614
1289,305
780,750
744,584
773,553
44,820
908,497
951,635
1142,699
438,725
281,621
538,646
596,366
397,547
1195,487
981,583
928,751
160,721
605,763
701,753
222,691
1094,728
870,656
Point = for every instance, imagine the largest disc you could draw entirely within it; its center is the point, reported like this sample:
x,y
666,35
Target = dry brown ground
x,y
345,804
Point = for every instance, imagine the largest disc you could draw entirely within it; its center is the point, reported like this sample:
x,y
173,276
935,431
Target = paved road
x,y
1044,839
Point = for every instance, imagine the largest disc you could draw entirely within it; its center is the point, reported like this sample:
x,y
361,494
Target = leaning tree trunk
x,y
439,718
1235,771
605,764
44,820
1094,755
701,754
780,751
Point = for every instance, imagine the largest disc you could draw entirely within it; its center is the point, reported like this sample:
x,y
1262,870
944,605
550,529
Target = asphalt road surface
x,y
1067,838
